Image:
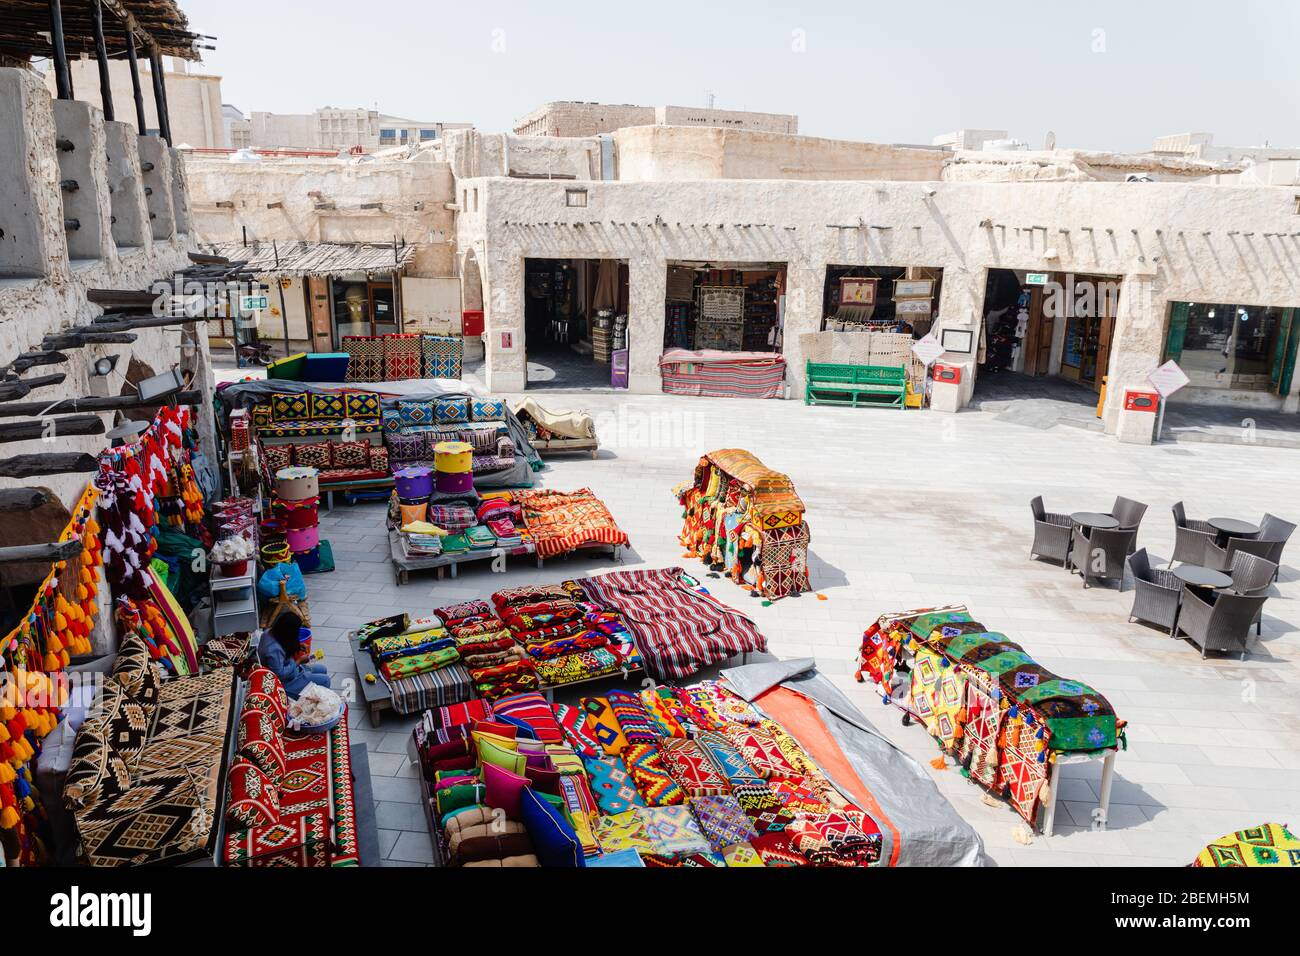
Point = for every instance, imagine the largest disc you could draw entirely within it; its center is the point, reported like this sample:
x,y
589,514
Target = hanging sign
x,y
928,348
253,303
912,307
1168,379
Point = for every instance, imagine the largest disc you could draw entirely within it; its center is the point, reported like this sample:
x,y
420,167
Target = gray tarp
x,y
930,831
248,394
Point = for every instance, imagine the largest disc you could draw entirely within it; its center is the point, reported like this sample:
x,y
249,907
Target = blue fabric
x,y
268,585
553,838
294,676
628,857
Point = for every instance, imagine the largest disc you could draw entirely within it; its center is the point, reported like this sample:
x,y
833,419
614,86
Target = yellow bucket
x,y
453,457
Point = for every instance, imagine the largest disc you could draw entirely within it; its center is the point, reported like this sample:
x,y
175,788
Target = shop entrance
x,y
363,306
1040,324
575,322
726,307
881,298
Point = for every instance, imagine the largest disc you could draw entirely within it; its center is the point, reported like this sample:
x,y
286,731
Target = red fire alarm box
x,y
1141,400
471,322
947,373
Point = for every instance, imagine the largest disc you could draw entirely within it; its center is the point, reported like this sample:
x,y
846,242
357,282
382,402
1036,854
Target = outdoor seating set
x,y
1213,597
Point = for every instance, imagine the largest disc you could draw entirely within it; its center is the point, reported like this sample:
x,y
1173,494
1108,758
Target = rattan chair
x,y
1156,592
1251,575
1099,553
1129,515
1221,558
1190,538
1051,533
1219,620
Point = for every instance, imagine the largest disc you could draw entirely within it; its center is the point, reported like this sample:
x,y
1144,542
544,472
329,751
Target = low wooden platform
x,y
561,445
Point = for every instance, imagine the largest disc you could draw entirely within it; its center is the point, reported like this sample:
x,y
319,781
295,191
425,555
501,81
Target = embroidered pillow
x,y
415,413
259,741
351,454
406,447
277,456
315,455
290,407
262,680
361,404
487,409
554,840
392,421
378,458
482,439
450,411
254,799
135,670
261,415
326,405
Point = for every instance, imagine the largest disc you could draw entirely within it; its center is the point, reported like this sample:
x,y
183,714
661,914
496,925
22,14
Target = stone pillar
x,y
83,173
805,286
130,214
156,167
33,244
647,289
503,307
961,306
1137,345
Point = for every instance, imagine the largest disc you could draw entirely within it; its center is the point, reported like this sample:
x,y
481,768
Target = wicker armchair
x,y
1051,533
1156,592
1221,558
1190,538
1099,553
1218,620
1251,575
1129,515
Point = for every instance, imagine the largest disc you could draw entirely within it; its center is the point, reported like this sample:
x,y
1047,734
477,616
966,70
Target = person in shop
x,y
281,650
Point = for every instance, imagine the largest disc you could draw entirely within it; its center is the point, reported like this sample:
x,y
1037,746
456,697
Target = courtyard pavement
x,y
910,509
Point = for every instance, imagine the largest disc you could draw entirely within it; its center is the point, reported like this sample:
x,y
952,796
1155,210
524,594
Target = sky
x,y
1100,74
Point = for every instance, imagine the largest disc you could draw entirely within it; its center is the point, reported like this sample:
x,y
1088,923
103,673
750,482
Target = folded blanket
x,y
534,711
465,611
652,781
656,701
689,765
673,832
586,641
612,785
832,839
543,635
729,762
761,751
529,594
623,831
632,717
415,664
401,645
571,720
582,665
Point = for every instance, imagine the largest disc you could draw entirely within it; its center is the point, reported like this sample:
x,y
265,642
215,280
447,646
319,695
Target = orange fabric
x,y
798,715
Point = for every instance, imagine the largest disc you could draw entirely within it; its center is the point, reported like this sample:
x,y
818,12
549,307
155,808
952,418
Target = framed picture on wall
x,y
957,340
855,291
913,288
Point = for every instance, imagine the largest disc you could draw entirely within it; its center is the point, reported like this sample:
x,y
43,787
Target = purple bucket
x,y
455,483
413,483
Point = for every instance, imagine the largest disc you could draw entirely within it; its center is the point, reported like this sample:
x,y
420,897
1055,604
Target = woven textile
x,y
401,357
832,839
672,831
689,765
441,356
761,751
1023,765
572,721
611,784
412,665
623,831
658,703
534,711
742,854
729,762
723,821
563,521
1269,844
602,726
365,357
677,629
632,718
775,849
435,688
769,492
978,748
582,665
784,559
938,695
652,781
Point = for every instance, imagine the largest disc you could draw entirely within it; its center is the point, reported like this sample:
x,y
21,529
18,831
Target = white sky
x,y
1100,73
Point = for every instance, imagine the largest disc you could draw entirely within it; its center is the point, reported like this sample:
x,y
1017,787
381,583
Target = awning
x,y
301,258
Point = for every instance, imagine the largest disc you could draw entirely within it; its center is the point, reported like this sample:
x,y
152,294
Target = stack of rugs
x,y
1000,714
402,646
562,521
1269,844
664,777
460,525
746,520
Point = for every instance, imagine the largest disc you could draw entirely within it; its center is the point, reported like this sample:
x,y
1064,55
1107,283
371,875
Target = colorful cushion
x,y
612,785
277,456
263,680
127,722
316,455
254,799
450,410
407,447
487,409
723,821
290,407
534,710
602,726
493,753
378,458
326,405
261,415
351,454
504,789
415,413
96,769
623,831
458,798
259,742
361,405
136,672
555,842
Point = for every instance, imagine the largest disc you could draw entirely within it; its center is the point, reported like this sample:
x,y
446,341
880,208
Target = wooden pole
x,y
45,553
62,78
56,463
279,285
29,431
138,93
93,403
160,95
101,55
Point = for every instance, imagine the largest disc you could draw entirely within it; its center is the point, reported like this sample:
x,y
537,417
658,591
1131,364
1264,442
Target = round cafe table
x,y
1094,519
1233,528
1197,576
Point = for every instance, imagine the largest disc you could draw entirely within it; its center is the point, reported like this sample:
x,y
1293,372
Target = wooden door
x,y
1038,335
318,314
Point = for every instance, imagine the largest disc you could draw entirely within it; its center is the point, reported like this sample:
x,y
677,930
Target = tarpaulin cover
x,y
919,825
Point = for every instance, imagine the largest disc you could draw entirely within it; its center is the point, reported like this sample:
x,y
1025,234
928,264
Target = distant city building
x,y
342,128
991,139
570,119
1202,146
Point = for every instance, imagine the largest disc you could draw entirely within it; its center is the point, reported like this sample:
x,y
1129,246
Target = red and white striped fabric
x,y
677,629
723,374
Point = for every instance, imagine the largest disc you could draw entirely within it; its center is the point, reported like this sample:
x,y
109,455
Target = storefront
x,y
881,298
363,305
575,322
723,329
1230,348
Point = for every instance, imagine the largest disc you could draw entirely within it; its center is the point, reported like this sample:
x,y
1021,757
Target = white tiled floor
x,y
913,509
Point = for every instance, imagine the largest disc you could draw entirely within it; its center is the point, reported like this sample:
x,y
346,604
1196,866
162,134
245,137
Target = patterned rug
x,y
442,356
365,357
1269,844
563,521
401,357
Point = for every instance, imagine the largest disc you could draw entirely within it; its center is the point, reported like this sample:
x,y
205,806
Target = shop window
x,y
1232,346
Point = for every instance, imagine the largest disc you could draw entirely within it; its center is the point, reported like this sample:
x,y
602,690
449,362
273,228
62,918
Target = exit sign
x,y
252,303
1036,278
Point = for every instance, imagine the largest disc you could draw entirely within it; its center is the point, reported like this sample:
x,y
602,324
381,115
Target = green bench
x,y
883,385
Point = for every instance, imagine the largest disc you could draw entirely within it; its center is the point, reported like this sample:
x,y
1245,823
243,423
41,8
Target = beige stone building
x,y
589,119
